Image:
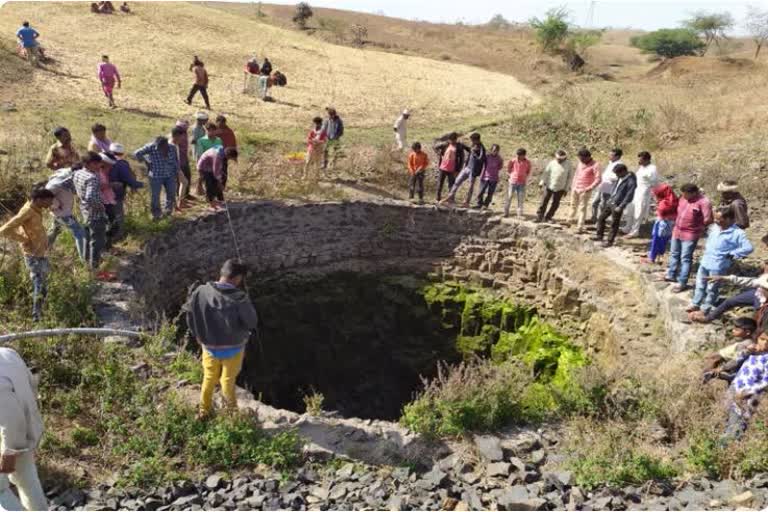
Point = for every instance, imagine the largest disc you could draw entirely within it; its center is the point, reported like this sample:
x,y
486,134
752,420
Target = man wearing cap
x,y
334,129
21,429
62,153
730,197
88,188
401,130
63,189
121,177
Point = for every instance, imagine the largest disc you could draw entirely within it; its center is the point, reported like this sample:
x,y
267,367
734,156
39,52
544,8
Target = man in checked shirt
x,y
88,188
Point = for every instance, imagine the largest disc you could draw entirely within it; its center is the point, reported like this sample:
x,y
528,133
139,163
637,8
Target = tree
x,y
552,31
669,42
302,14
711,26
359,33
499,22
756,24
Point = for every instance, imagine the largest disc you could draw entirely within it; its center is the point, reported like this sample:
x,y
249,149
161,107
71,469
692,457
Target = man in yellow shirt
x,y
26,227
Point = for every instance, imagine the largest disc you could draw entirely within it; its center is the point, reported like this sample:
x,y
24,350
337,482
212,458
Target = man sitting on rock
x,y
220,316
724,363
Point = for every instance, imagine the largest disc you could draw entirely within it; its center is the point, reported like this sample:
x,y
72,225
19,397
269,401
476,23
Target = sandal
x,y
678,288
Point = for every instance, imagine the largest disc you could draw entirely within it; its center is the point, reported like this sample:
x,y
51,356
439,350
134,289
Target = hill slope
x,y
154,46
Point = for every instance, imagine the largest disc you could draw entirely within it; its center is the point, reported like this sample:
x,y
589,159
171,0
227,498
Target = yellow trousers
x,y
224,371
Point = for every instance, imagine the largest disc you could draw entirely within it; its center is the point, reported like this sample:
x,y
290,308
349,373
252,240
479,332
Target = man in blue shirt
x,y
726,242
163,161
27,35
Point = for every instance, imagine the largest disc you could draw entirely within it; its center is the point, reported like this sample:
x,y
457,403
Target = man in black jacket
x,y
623,194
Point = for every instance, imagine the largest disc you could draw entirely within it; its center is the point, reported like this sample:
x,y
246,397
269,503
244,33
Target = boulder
x,y
498,469
489,447
745,500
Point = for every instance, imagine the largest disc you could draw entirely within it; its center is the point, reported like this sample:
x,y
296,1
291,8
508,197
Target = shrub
x,y
314,403
552,31
669,42
302,15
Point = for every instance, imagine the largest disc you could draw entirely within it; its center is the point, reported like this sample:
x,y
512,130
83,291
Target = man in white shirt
x,y
647,178
401,130
21,428
609,179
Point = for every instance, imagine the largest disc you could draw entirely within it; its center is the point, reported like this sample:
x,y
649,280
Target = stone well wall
x,y
621,310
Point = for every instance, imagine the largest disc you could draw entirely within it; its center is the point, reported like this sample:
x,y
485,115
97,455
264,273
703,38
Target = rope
x,y
88,331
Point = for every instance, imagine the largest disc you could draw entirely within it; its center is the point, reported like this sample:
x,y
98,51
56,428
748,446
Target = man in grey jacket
x,y
220,316
334,129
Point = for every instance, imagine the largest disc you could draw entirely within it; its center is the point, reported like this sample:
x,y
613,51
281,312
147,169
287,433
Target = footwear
x,y
607,243
665,279
538,220
597,239
692,308
679,288
188,102
106,276
698,317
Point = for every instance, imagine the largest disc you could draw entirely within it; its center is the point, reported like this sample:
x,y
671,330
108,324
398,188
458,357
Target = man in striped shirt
x,y
88,188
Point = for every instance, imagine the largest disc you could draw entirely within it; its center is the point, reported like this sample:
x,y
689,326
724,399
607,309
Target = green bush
x,y
669,42
704,454
626,466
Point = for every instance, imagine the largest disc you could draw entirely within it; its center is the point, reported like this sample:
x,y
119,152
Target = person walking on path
x,y
201,82
21,429
694,214
163,161
489,180
647,178
62,153
607,180
99,142
555,181
26,228
666,213
418,161
401,130
220,316
726,243
88,187
622,195
122,178
586,179
316,139
63,189
334,128
730,197
228,141
519,170
451,156
471,171
185,172
109,76
211,166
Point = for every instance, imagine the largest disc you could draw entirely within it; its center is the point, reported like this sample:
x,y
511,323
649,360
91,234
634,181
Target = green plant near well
x,y
624,466
314,403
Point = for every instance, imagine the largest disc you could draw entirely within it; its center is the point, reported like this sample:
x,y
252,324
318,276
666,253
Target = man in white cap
x,y
730,197
401,130
21,428
121,178
198,133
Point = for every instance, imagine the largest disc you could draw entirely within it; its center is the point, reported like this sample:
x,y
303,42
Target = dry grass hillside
x,y
154,46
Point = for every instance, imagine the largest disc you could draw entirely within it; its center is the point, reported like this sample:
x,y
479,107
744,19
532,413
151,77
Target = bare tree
x,y
756,24
359,33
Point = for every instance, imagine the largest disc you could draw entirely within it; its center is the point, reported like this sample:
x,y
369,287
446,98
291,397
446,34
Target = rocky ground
x,y
508,472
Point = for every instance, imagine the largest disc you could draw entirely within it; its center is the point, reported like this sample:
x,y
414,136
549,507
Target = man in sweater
x,y
730,197
21,429
26,228
555,181
607,181
586,179
88,187
726,243
622,195
63,189
694,214
220,316
334,128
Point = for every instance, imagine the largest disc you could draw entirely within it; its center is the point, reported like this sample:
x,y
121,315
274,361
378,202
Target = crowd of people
x,y
99,180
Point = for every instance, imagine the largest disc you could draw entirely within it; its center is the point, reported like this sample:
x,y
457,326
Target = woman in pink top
x,y
519,169
108,76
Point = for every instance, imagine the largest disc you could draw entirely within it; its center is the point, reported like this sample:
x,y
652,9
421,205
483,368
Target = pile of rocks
x,y
501,473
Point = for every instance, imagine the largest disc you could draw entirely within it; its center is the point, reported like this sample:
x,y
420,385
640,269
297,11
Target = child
x,y
417,166
748,384
726,242
724,363
315,145
490,177
519,169
666,213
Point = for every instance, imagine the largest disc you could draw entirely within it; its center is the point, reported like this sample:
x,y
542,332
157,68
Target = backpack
x,y
279,79
61,179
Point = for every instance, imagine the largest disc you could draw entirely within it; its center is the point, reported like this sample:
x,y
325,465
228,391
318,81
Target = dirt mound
x,y
709,67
